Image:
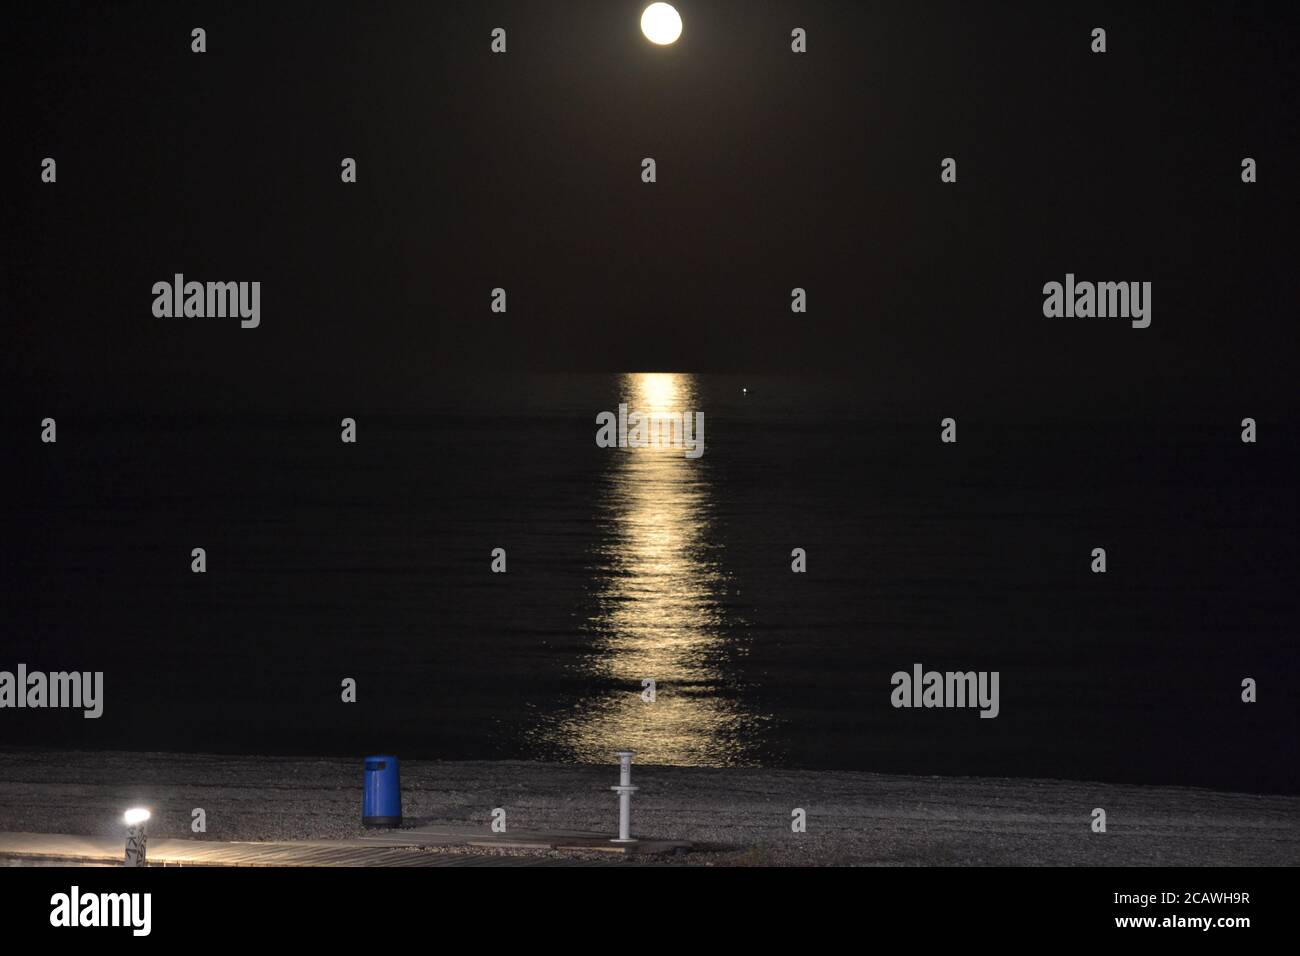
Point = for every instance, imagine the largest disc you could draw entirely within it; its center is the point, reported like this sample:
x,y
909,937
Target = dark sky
x,y
775,170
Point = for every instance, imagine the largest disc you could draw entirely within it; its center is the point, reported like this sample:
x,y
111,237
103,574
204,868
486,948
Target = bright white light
x,y
135,815
661,24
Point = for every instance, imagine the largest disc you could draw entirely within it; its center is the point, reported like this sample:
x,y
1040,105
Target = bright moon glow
x,y
661,24
134,816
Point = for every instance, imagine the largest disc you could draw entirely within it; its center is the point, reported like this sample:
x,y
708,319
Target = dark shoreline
x,y
740,815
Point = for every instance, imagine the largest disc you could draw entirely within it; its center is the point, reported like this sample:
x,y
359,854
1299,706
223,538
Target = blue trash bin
x,y
381,805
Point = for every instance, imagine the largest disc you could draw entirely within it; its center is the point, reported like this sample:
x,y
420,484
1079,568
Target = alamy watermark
x,y
36,689
1084,300
75,908
626,429
947,689
209,300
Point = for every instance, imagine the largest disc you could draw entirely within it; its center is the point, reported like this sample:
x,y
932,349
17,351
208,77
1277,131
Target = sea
x,y
487,582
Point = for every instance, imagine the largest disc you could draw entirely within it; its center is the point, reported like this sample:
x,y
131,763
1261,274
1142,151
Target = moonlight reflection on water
x,y
660,610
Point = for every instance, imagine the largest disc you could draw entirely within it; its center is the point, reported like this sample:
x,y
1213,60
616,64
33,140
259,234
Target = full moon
x,y
661,23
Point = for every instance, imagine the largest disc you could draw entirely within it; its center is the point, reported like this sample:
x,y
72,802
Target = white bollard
x,y
624,791
136,838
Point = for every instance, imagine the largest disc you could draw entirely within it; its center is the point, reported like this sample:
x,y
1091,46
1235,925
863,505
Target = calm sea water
x,y
371,561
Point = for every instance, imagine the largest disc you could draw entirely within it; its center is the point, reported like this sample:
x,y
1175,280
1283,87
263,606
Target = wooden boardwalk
x,y
413,847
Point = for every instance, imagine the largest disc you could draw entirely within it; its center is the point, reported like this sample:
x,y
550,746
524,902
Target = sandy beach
x,y
732,816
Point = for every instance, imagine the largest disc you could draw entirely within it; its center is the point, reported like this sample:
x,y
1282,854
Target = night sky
x,y
775,170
